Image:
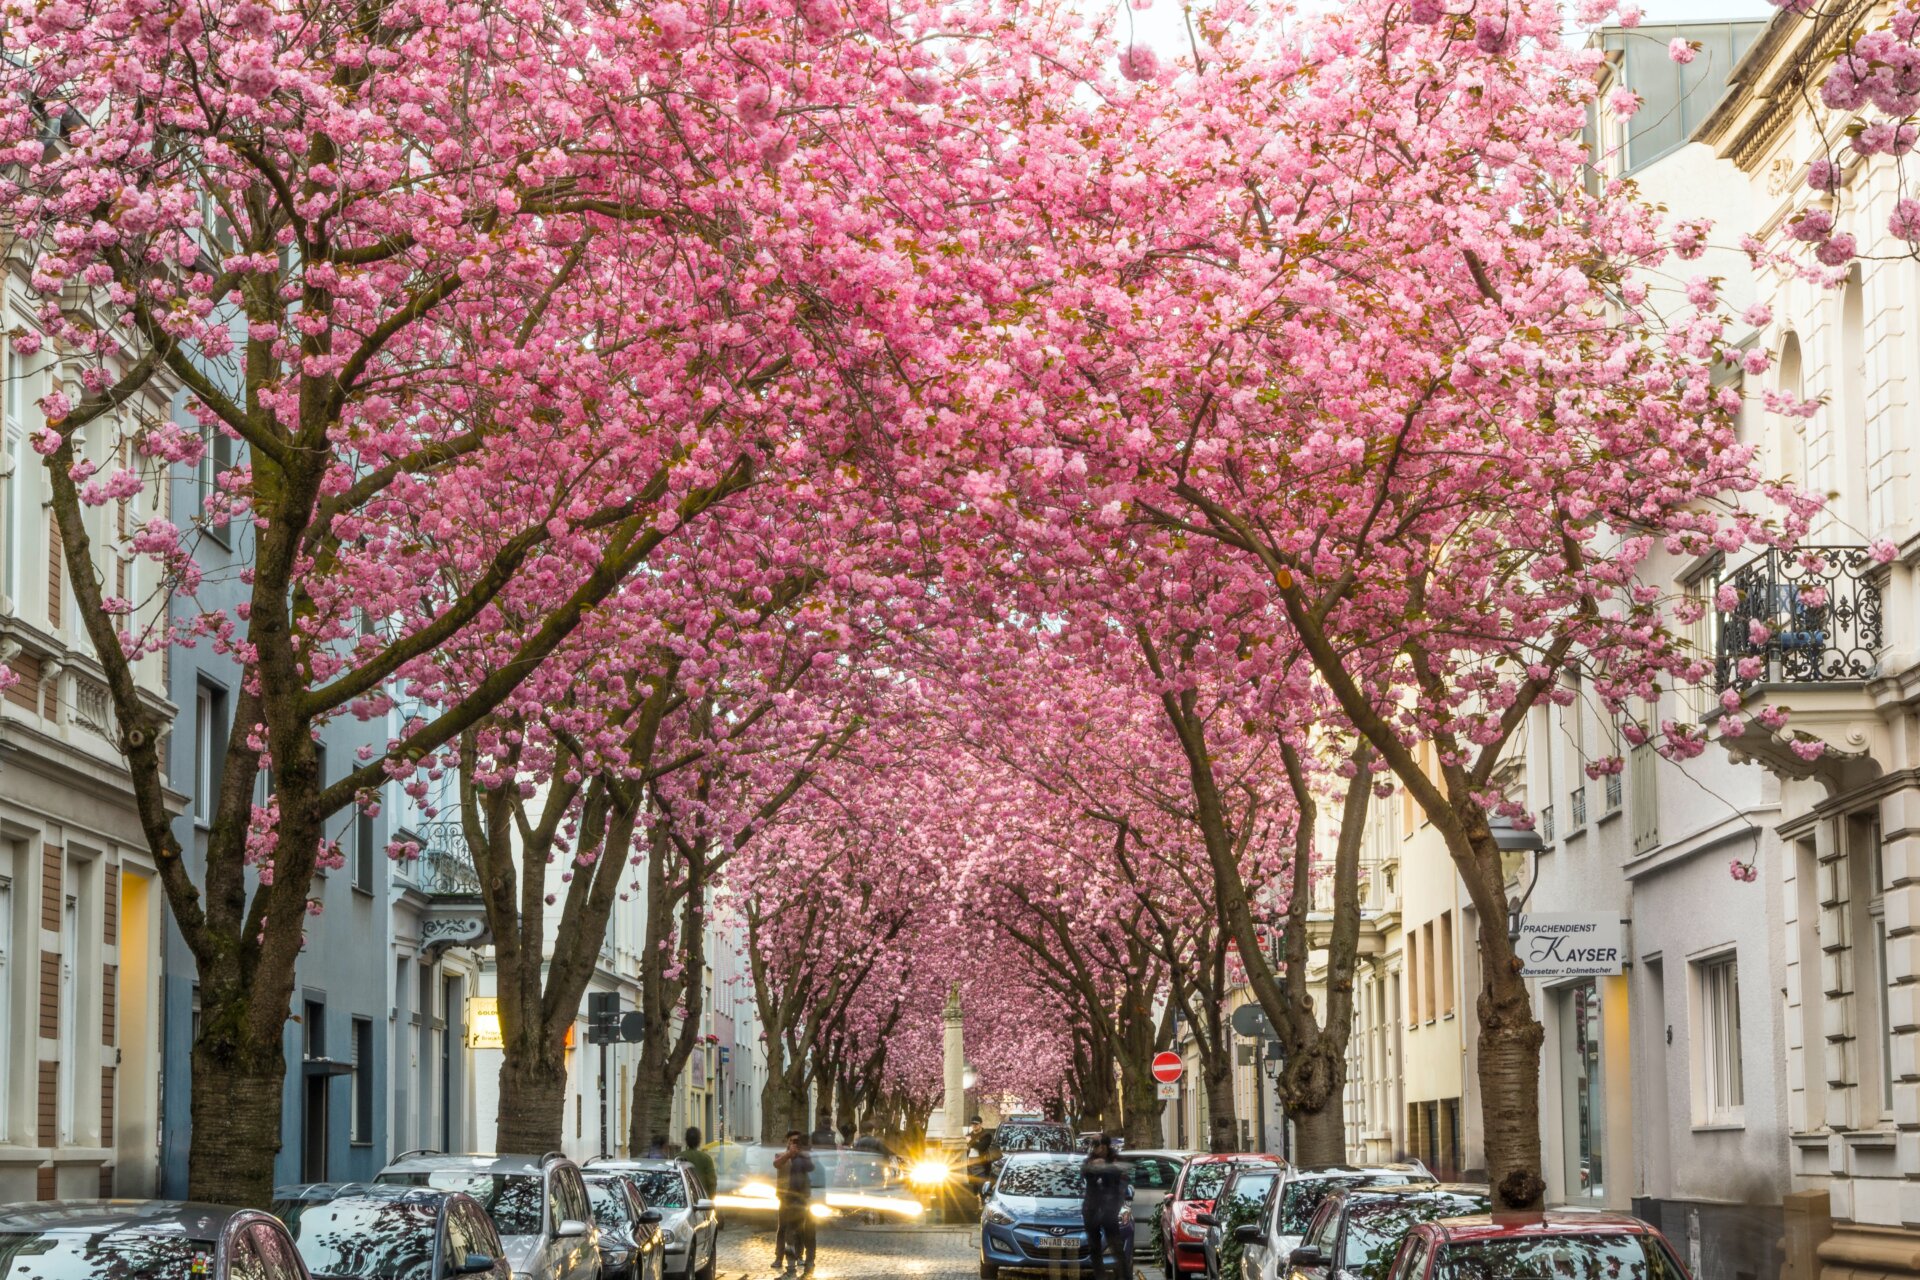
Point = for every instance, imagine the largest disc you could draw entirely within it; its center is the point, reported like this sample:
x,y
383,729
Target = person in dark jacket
x,y
794,1243
1109,1189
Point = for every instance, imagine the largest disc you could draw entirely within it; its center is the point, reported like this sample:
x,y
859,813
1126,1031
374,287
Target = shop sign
x,y
1571,944
483,1023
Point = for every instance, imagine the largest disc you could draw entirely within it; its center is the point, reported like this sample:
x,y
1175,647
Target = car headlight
x,y
929,1173
998,1216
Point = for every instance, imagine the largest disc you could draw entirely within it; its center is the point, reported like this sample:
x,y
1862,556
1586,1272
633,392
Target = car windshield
x,y
1304,1195
512,1200
610,1207
107,1255
1205,1180
1033,1137
1249,1190
1045,1179
1570,1257
368,1239
662,1188
850,1169
1377,1225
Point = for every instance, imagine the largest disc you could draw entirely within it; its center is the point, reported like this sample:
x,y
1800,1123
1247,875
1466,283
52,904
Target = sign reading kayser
x,y
1571,944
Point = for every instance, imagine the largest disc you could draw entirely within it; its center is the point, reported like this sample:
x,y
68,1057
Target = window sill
x,y
1721,1126
365,892
1886,1138
361,1143
1609,816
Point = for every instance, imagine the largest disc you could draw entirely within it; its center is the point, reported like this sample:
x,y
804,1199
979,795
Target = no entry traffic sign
x,y
1167,1067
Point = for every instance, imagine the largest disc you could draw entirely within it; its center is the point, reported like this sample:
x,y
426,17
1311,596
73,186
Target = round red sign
x,y
1167,1067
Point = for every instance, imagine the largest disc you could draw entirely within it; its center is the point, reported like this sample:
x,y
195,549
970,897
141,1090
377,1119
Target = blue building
x,y
339,1030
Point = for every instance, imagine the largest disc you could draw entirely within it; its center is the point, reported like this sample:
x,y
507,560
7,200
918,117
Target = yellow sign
x,y
483,1023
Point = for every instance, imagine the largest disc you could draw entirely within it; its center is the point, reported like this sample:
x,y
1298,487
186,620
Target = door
x,y
315,1090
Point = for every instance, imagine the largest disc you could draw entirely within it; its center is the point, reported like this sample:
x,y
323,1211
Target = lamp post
x,y
1511,839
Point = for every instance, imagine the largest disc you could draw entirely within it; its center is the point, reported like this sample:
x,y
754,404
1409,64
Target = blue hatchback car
x,y
1032,1217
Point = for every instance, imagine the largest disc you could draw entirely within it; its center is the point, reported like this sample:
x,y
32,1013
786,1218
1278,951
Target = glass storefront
x,y
1583,1094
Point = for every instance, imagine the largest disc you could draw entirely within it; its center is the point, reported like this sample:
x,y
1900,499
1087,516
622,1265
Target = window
x,y
9,540
361,1129
6,983
1645,818
1583,1095
1446,964
216,456
363,850
209,750
320,772
69,1013
1573,717
1428,1004
1413,975
1719,1088
1867,892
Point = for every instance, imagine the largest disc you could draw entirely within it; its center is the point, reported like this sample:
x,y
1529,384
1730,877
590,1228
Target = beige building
x,y
80,907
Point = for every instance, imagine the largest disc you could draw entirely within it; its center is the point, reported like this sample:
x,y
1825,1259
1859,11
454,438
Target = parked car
x,y
1243,1200
1559,1242
689,1228
1183,1238
632,1246
1154,1173
363,1232
1296,1198
1032,1135
146,1240
1357,1230
538,1205
1032,1217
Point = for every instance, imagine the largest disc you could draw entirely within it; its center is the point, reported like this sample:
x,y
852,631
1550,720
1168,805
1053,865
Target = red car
x,y
1182,1237
1559,1242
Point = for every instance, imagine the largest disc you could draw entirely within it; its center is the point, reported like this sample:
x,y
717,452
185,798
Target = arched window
x,y
1846,429
1790,460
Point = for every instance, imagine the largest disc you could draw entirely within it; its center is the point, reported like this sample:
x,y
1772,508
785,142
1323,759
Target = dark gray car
x,y
371,1232
146,1240
538,1205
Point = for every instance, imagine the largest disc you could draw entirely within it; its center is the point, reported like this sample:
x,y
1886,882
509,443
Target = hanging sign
x,y
1169,1092
1571,944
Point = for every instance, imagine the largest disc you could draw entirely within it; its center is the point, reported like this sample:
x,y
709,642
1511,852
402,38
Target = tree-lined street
x,y
640,579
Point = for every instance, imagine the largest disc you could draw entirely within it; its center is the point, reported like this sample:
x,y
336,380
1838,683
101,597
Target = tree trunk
x,y
783,1104
653,1082
236,1126
532,1116
1223,1118
1510,1040
1140,1094
1312,1094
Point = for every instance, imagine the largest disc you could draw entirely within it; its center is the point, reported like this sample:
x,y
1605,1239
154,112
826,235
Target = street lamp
x,y
1272,1067
1511,839
969,1078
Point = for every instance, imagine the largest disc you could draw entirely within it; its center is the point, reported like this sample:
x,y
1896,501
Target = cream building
x,y
1847,872
80,903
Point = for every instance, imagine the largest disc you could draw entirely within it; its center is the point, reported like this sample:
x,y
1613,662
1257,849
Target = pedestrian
x,y
793,1244
979,1159
823,1139
657,1150
1107,1193
702,1162
846,1136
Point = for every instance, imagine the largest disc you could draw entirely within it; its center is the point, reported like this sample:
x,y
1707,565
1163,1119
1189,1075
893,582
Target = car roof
x,y
613,1164
1165,1153
1237,1157
1376,1191
1553,1222
1042,1157
392,1193
1354,1170
188,1218
428,1162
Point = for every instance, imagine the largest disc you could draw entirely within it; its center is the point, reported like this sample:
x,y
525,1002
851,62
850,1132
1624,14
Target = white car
x,y
538,1204
688,1223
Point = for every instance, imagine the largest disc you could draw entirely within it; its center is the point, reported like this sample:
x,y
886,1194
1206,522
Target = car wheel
x,y
712,1263
988,1271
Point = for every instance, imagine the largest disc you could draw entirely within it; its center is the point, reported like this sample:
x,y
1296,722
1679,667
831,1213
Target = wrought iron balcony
x,y
445,867
1818,617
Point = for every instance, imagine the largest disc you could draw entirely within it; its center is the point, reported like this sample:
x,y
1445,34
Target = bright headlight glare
x,y
820,1211
929,1173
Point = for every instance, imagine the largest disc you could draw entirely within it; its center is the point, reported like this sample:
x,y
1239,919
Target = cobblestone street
x,y
869,1253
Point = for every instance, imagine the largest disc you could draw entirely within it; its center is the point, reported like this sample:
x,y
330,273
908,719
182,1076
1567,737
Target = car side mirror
x,y
1306,1256
1250,1233
570,1229
1206,1220
473,1264
703,1205
650,1215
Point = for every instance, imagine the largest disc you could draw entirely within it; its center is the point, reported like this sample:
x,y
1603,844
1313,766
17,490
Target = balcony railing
x,y
445,868
1613,792
1577,809
1818,617
1546,824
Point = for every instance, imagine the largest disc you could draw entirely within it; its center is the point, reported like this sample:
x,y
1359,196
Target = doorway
x,y
317,1084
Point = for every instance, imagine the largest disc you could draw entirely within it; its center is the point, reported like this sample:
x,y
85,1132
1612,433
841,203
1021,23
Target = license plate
x,y
1065,1242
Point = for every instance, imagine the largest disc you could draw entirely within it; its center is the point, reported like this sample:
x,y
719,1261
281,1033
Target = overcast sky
x,y
1160,26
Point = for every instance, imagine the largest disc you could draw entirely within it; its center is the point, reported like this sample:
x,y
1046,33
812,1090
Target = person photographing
x,y
794,1243
1108,1191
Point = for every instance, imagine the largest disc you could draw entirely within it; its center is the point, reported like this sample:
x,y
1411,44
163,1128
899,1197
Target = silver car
x,y
1154,1172
1296,1197
688,1223
538,1204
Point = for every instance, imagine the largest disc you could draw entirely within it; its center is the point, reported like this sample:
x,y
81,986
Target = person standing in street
x,y
1107,1193
793,1245
702,1162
